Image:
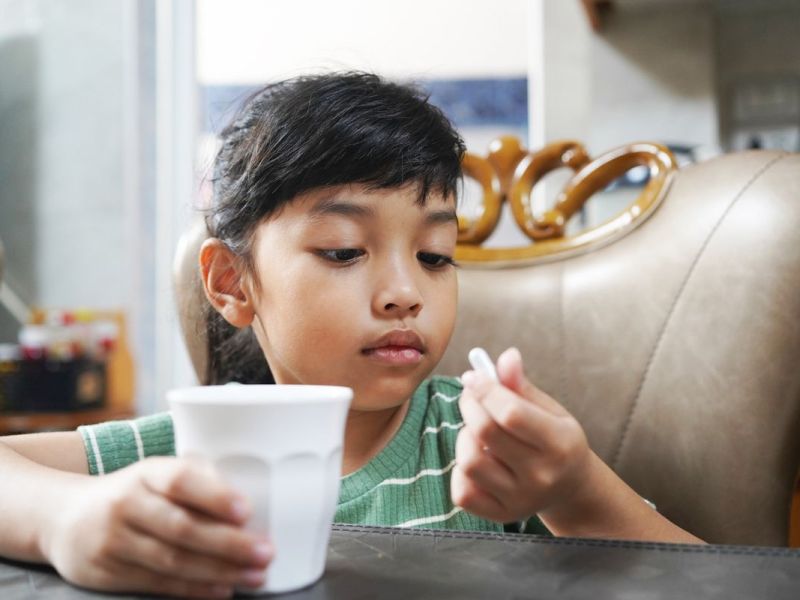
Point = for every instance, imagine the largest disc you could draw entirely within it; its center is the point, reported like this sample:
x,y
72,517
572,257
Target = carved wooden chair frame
x,y
509,173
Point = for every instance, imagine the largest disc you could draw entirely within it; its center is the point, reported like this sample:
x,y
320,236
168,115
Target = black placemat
x,y
370,562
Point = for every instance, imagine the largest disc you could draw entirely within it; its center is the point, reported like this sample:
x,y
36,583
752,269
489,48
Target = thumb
x,y
512,375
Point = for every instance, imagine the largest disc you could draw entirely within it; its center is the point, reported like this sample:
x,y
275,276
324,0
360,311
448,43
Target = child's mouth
x,y
398,348
394,355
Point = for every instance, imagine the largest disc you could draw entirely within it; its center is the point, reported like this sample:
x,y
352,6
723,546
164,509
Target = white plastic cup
x,y
281,446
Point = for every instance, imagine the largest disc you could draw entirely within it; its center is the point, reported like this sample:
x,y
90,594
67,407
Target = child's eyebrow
x,y
333,206
439,217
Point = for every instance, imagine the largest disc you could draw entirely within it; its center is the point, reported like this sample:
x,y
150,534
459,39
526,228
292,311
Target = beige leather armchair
x,y
672,333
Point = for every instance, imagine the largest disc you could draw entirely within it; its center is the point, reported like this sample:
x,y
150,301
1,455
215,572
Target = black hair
x,y
313,132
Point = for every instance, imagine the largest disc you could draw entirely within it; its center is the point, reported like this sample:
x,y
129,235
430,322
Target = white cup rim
x,y
255,394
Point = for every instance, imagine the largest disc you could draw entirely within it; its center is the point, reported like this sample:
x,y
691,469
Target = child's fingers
x,y
529,423
125,577
550,436
196,484
511,373
558,439
469,496
175,525
155,555
508,449
482,467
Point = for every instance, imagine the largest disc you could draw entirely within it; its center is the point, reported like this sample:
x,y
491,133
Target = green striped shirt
x,y
407,484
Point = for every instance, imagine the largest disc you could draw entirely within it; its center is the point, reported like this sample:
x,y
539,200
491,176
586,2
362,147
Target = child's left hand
x,y
519,451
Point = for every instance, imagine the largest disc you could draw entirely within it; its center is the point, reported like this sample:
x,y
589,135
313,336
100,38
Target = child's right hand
x,y
163,526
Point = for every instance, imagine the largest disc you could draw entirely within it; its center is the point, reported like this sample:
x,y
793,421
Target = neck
x,y
366,433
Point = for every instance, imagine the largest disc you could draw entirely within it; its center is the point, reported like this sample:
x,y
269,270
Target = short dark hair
x,y
312,132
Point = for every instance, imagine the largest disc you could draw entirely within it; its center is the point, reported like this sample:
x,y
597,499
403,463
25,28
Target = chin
x,y
385,392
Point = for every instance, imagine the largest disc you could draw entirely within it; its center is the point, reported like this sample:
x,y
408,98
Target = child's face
x,y
355,289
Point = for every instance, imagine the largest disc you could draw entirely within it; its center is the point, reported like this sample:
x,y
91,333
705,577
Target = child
x,y
333,230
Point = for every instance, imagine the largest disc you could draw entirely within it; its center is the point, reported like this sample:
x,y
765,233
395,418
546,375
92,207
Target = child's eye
x,y
435,261
341,255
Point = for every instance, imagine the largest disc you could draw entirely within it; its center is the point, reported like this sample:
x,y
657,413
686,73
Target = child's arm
x,y
521,453
62,450
163,525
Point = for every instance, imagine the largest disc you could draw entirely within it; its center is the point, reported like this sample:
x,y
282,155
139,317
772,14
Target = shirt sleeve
x,y
116,444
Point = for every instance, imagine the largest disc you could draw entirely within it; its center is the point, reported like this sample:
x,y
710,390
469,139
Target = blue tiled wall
x,y
467,102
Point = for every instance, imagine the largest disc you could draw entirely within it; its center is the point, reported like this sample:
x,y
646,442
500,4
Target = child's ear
x,y
224,283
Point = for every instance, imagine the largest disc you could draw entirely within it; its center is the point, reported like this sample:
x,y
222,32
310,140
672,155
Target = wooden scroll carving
x,y
509,174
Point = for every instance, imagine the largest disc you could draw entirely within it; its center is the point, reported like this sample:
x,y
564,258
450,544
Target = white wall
x,y
648,75
652,77
77,211
19,59
66,211
82,160
560,77
559,83
253,41
757,51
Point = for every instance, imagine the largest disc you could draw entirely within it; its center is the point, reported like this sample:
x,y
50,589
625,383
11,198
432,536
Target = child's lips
x,y
397,348
394,355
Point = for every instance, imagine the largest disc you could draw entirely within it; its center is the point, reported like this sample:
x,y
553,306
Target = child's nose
x,y
402,308
398,295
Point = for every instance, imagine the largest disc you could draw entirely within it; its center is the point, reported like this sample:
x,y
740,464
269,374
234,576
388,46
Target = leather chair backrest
x,y
677,346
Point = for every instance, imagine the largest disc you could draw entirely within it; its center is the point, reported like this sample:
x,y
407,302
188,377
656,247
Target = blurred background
x,y
109,111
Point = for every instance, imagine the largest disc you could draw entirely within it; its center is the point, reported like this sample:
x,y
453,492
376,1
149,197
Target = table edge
x,y
568,541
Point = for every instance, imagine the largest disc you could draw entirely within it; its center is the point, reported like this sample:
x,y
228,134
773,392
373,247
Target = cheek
x,y
442,306
310,317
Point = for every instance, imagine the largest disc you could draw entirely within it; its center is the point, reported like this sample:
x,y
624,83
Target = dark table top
x,y
371,562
